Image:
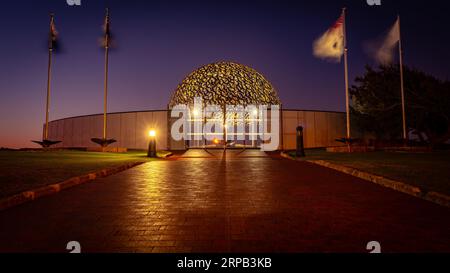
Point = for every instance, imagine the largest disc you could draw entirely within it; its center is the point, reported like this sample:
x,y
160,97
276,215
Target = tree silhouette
x,y
377,105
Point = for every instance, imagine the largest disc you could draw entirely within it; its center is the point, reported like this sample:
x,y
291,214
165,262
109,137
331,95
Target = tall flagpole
x,y
347,99
225,127
405,133
49,74
105,102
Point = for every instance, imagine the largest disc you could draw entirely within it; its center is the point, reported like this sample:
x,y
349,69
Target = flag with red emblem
x,y
330,46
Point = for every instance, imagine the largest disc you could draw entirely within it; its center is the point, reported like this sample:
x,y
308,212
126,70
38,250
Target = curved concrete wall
x,y
321,129
131,129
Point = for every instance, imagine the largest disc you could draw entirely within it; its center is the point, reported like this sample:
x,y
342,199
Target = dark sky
x,y
158,43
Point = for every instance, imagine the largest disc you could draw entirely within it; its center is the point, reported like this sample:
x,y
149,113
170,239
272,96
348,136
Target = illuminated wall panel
x,y
131,129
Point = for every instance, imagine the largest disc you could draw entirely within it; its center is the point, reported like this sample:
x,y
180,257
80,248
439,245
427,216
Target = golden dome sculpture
x,y
225,83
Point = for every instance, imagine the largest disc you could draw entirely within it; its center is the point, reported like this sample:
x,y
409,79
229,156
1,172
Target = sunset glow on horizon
x,y
157,44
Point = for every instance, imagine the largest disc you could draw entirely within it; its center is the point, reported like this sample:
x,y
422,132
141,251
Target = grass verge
x,y
429,171
25,170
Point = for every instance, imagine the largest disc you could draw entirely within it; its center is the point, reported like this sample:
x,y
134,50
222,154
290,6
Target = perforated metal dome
x,y
225,83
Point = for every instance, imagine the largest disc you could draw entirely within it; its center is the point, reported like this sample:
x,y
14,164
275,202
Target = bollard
x,y
152,145
300,145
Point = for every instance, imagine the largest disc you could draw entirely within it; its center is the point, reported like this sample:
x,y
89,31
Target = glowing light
x,y
152,133
196,113
216,141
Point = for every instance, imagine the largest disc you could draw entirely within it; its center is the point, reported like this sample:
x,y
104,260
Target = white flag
x,y
330,46
385,54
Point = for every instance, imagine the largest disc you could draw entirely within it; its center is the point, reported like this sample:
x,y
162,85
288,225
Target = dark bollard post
x,y
300,146
152,145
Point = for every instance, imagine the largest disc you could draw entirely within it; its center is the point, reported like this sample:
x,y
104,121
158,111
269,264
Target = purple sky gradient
x,y
159,43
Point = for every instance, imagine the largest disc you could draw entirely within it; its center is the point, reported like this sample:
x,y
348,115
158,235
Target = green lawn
x,y
430,171
25,170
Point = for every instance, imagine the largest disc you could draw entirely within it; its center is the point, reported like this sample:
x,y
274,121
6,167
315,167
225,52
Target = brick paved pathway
x,y
241,204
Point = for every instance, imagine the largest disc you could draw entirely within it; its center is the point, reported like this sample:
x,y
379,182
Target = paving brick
x,y
237,204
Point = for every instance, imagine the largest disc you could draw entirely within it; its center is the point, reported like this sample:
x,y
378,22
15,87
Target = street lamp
x,y
152,144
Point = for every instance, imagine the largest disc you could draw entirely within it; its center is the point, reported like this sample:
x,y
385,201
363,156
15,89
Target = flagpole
x,y
224,126
49,76
402,85
105,102
347,99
